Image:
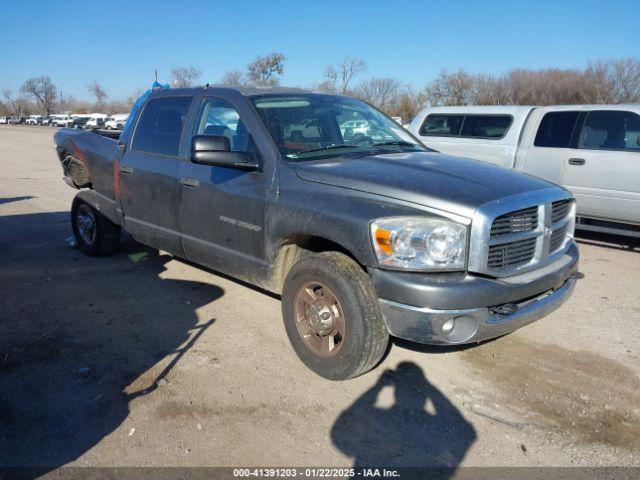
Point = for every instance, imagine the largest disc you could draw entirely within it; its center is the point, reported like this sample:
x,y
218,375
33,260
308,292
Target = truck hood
x,y
451,184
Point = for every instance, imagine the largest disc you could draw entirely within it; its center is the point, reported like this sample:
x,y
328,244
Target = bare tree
x,y
600,82
99,93
234,78
450,89
612,81
380,92
42,90
406,106
11,101
67,103
626,80
184,77
338,79
265,70
17,105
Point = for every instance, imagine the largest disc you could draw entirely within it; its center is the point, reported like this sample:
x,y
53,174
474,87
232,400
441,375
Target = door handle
x,y
576,161
126,169
190,182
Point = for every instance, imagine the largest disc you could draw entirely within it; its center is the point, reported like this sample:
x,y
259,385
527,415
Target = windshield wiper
x,y
330,147
399,143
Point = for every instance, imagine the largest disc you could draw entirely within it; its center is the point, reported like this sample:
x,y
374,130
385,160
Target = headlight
x,y
415,243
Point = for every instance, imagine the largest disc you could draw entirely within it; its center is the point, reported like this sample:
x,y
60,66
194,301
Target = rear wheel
x,y
332,317
95,233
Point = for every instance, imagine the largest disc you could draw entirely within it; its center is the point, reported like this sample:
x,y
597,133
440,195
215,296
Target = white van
x,y
593,150
116,121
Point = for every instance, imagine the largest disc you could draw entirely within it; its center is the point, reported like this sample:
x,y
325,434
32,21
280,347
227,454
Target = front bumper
x,y
464,308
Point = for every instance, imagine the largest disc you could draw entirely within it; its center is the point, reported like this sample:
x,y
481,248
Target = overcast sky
x,y
120,43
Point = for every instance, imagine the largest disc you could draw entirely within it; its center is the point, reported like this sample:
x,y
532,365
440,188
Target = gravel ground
x,y
139,359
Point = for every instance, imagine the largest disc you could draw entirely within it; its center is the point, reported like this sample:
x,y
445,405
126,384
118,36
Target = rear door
x,y
603,171
222,210
148,174
551,151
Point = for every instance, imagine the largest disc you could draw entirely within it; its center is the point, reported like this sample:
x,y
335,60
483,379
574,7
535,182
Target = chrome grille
x,y
521,233
523,220
557,238
559,210
513,253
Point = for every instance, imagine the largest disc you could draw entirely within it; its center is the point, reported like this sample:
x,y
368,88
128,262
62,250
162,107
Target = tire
x,y
365,338
101,237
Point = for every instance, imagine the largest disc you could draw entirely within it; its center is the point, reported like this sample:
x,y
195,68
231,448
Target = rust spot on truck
x,y
592,397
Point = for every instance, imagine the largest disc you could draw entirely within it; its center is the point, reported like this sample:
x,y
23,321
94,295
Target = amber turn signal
x,y
383,239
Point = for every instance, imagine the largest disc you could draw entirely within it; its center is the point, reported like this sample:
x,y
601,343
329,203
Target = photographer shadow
x,y
421,429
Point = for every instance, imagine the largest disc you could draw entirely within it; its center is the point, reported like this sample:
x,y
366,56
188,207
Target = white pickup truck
x,y
593,150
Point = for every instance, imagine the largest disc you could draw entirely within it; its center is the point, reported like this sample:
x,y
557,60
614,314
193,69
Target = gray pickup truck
x,y
364,232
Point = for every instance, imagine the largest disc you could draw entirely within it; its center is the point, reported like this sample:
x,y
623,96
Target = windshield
x,y
314,126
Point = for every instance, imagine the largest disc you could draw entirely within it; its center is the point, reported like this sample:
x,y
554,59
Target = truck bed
x,y
87,158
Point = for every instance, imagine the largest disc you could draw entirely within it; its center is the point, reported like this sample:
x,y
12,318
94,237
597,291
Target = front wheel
x,y
96,234
332,316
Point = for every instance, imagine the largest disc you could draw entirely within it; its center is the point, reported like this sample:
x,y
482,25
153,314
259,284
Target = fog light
x,y
447,327
459,329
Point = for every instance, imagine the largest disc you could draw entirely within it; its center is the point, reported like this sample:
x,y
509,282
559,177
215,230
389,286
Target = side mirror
x,y
215,150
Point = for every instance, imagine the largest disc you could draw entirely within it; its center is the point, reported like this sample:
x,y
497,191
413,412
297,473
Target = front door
x,y
148,174
222,210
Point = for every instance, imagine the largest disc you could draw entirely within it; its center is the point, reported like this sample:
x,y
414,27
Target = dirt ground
x,y
139,359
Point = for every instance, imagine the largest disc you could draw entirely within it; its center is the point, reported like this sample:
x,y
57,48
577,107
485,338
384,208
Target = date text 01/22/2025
x,y
315,472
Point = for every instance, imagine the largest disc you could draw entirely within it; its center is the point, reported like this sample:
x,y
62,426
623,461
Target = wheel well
x,y
76,170
294,248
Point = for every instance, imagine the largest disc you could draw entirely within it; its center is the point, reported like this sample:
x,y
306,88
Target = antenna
x,y
156,73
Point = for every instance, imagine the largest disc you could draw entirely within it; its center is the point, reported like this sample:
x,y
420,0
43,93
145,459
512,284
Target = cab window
x,y
219,117
160,126
610,130
555,129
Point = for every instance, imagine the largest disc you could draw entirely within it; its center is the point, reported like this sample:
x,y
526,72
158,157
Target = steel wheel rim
x,y
86,223
319,319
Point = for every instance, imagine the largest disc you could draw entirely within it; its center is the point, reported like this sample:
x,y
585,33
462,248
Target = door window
x,y
555,129
218,117
160,126
610,130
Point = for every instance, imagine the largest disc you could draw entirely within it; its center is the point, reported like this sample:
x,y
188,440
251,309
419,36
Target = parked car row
x,y
592,150
79,120
12,120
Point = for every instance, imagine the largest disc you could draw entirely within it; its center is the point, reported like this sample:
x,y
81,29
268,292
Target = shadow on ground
x,y
421,427
76,332
15,199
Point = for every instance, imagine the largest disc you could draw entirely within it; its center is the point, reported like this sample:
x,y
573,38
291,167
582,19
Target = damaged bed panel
x,y
87,170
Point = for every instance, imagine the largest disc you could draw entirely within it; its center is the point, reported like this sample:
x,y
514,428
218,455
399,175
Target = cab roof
x,y
247,91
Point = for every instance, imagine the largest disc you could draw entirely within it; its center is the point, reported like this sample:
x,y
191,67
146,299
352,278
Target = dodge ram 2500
x,y
364,232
